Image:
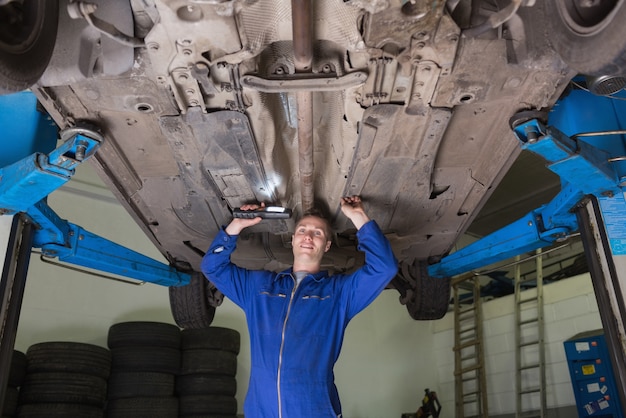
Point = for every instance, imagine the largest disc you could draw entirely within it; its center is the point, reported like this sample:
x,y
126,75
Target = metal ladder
x,y
530,362
469,359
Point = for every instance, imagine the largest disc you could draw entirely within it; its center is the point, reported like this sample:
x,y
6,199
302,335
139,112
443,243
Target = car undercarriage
x,y
207,105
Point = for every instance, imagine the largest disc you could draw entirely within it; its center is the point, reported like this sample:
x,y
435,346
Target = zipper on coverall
x,y
282,345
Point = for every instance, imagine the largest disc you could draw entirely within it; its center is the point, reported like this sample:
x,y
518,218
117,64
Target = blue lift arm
x,y
584,169
72,244
30,179
27,183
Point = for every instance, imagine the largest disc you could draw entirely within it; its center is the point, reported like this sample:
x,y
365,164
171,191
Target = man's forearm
x,y
233,229
359,219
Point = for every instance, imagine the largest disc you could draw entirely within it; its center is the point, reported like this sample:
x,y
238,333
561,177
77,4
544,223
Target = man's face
x,y
310,241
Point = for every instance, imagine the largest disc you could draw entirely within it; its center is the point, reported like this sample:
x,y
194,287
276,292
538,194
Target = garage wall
x,y
570,308
385,364
5,230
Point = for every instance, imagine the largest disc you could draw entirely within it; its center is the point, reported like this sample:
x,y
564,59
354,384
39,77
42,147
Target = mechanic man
x,y
297,318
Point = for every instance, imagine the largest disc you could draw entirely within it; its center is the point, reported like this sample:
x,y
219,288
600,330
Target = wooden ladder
x,y
469,359
530,361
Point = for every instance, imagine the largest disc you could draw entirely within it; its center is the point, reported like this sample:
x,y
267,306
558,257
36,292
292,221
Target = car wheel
x,y
190,303
589,36
28,31
426,298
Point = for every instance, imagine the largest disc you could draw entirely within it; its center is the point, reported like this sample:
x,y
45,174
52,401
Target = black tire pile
x,y
145,362
150,370
64,379
206,385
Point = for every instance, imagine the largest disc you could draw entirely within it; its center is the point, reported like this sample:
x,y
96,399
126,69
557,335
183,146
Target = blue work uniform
x,y
296,332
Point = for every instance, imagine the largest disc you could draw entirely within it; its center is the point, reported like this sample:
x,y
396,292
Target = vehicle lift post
x,y
25,184
588,152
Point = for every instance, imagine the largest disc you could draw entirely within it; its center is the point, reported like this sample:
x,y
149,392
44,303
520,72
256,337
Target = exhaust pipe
x,y
301,17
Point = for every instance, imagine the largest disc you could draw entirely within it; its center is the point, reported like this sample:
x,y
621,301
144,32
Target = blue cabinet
x,y
592,375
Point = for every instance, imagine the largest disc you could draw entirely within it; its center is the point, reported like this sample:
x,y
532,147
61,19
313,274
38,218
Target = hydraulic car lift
x,y
592,168
588,152
24,187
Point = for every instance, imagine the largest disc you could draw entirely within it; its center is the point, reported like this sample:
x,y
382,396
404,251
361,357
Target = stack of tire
x,y
206,385
146,358
15,380
64,379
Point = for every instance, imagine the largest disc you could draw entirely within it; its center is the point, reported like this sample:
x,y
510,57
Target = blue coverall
x,y
296,332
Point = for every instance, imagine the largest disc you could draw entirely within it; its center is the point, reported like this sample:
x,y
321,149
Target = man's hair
x,y
316,213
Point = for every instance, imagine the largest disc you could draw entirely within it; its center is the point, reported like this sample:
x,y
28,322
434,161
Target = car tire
x,y
69,357
153,407
433,300
26,46
190,305
426,298
18,369
48,387
215,338
9,409
206,384
139,333
207,361
594,45
125,384
146,359
207,405
59,410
